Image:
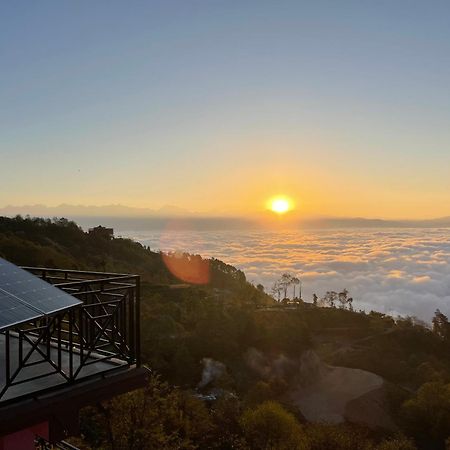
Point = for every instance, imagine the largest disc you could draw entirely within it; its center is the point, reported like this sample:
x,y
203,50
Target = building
x,y
102,232
68,339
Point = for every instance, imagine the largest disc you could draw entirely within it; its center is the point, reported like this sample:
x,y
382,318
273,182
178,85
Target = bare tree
x,y
295,281
276,290
285,281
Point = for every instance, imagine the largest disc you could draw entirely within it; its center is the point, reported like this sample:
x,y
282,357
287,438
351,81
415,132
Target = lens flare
x,y
188,268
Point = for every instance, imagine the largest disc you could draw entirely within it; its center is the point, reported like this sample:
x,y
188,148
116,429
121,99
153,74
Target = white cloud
x,y
422,279
394,271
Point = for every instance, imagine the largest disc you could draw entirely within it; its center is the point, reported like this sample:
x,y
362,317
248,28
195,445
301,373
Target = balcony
x,y
93,339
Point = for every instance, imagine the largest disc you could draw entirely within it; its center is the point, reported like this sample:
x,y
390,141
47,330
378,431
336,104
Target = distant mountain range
x,y
66,210
360,222
145,218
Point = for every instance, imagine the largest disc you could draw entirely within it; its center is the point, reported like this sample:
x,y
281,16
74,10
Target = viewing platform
x,y
67,339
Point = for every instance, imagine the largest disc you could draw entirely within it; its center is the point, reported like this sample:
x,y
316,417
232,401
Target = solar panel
x,y
24,296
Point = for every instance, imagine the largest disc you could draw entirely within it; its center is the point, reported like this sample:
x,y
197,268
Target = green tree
x,y
330,299
259,393
427,414
343,298
270,426
441,326
397,443
337,437
158,417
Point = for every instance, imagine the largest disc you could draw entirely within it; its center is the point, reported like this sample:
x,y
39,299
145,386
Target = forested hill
x,y
60,243
252,377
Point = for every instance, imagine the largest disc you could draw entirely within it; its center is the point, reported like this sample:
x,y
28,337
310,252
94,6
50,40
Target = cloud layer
x,y
401,271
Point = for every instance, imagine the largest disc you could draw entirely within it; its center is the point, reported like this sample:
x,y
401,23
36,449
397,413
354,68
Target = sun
x,y
280,205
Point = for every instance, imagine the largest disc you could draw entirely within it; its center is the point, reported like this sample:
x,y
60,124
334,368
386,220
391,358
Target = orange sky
x,y
216,109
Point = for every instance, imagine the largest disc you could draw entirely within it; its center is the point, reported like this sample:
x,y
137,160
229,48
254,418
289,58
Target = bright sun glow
x,y
280,205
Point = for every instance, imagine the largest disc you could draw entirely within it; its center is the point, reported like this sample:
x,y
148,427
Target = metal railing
x,y
99,335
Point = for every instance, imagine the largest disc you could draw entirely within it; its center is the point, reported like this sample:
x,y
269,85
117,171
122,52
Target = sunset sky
x,y
216,106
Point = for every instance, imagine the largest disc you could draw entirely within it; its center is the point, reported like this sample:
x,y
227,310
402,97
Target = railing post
x,y
81,339
7,359
70,349
137,309
4,388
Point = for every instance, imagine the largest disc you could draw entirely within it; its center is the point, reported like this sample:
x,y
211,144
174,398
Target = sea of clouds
x,y
395,271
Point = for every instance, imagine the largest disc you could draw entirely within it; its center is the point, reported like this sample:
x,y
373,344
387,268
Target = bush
x,y
270,426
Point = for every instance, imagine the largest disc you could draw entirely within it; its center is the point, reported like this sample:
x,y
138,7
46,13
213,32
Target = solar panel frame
x,y
25,297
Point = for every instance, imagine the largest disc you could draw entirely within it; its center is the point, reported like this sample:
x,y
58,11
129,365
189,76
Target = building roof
x,y
25,297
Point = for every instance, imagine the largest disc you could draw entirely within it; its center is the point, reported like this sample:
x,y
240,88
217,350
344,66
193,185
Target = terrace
x,y
57,344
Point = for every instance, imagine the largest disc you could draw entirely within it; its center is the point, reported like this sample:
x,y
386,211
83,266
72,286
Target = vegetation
x,y
252,350
269,425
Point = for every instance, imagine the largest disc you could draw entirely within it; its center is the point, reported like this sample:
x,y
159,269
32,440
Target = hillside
x,y
60,243
239,367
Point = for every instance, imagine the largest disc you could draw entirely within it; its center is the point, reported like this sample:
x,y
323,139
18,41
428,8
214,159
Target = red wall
x,y
24,439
